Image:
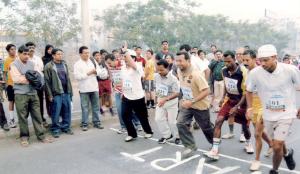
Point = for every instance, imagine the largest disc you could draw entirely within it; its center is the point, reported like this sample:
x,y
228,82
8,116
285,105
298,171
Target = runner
x,y
194,104
167,92
234,78
249,61
149,85
278,101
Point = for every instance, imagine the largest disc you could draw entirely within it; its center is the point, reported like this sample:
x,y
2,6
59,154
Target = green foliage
x,y
150,23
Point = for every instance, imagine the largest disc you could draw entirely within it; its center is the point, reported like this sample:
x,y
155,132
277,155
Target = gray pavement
x,y
104,151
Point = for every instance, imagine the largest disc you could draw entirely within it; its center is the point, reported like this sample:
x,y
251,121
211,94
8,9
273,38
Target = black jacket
x,y
35,79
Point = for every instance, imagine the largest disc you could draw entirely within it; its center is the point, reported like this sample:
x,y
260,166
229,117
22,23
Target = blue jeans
x,y
85,99
61,105
135,119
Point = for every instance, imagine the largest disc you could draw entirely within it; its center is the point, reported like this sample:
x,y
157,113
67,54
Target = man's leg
x,y
3,121
139,107
22,102
94,98
84,101
203,120
119,109
34,109
162,122
57,104
127,117
66,112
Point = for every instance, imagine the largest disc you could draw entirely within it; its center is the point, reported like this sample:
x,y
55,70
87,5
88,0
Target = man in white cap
x,y
278,100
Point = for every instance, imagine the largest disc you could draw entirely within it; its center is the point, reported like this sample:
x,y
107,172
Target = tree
x,y
43,21
147,24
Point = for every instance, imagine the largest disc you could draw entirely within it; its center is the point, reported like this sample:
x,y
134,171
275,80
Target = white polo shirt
x,y
276,90
131,82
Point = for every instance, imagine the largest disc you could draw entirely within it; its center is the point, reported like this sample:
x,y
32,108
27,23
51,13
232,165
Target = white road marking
x,y
200,166
137,155
226,170
227,156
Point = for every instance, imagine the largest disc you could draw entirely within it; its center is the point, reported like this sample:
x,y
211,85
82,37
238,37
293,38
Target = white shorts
x,y
278,130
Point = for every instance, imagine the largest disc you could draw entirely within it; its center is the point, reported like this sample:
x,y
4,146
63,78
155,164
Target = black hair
x,y
186,47
164,41
29,44
23,49
251,53
9,46
201,51
171,55
186,55
115,50
138,47
102,51
220,51
95,52
82,48
55,50
46,50
110,56
213,45
163,62
229,53
150,51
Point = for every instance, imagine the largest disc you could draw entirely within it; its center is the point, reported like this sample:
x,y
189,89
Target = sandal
x,y
47,140
24,142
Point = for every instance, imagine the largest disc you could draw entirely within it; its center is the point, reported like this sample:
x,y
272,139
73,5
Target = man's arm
x,y
17,77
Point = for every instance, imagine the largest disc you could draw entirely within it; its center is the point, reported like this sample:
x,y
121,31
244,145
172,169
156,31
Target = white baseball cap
x,y
266,51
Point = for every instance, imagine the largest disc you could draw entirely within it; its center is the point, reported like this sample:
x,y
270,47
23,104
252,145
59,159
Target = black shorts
x,y
10,93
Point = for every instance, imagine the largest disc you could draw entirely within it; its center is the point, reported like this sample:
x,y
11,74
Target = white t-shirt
x,y
198,64
38,63
131,82
276,90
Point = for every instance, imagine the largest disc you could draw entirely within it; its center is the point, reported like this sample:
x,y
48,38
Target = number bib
x,y
116,76
231,86
127,85
187,93
276,103
162,90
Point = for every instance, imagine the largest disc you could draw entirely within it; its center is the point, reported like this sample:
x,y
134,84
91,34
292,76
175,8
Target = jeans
x,y
135,119
185,118
85,99
61,106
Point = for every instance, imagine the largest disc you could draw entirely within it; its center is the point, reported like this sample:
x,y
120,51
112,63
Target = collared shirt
x,y
86,83
276,90
166,86
216,68
38,63
192,83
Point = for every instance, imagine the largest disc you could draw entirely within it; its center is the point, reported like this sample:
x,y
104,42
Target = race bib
x,y
276,103
127,85
116,76
162,90
231,86
187,93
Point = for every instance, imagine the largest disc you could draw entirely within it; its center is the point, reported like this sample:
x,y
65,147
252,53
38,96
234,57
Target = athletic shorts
x,y
278,130
10,93
240,117
149,85
105,87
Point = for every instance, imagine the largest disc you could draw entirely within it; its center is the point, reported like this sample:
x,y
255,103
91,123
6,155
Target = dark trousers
x,y
202,117
139,107
3,120
40,94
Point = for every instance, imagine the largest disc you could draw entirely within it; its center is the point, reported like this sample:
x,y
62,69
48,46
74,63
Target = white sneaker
x,y
12,123
255,165
242,138
249,149
269,152
148,135
228,136
121,131
129,138
212,154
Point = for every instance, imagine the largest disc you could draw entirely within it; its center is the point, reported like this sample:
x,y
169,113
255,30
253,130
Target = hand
x,y
92,72
298,114
233,110
249,113
124,48
51,99
161,102
187,104
221,103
